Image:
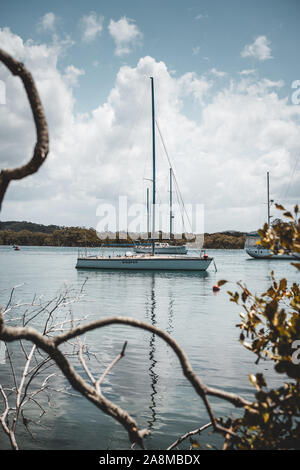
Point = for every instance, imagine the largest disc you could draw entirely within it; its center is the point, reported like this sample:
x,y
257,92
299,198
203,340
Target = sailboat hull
x,y
156,263
263,253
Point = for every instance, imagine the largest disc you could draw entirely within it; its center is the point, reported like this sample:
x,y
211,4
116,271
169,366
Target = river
x,y
148,381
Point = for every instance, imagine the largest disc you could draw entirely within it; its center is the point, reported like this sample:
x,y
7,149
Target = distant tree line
x,y
17,226
31,234
224,240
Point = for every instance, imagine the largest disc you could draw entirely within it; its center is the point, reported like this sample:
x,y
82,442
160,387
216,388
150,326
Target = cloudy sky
x,y
227,96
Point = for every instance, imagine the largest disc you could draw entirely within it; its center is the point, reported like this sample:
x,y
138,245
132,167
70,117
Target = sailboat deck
x,y
141,256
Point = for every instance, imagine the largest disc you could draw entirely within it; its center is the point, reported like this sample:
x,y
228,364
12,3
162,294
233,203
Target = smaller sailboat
x,y
254,249
168,247
163,248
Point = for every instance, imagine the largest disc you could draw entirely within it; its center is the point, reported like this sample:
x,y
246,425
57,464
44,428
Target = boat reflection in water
x,y
156,306
152,374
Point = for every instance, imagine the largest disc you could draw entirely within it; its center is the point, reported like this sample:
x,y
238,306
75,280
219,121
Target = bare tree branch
x,y
83,362
77,382
108,369
3,418
188,371
20,388
188,434
42,145
50,346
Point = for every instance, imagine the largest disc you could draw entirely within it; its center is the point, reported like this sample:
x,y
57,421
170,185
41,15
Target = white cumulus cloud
x,y
220,157
47,22
91,26
260,49
125,34
72,74
218,73
247,72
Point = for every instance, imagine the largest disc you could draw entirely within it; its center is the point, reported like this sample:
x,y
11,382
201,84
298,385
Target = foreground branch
x,y
42,145
93,394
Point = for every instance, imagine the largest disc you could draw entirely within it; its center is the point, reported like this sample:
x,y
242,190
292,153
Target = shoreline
x,y
31,234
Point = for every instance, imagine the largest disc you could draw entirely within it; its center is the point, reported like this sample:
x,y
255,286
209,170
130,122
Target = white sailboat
x,y
258,251
145,261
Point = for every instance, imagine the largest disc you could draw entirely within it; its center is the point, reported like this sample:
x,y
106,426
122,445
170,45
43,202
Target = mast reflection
x,y
151,316
152,374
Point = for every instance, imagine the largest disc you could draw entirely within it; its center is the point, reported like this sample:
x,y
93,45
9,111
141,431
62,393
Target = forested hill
x,y
31,234
32,227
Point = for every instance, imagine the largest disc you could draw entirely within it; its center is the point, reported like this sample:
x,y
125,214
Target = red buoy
x,y
216,288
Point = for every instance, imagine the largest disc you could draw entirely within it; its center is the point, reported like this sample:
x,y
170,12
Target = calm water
x,y
148,382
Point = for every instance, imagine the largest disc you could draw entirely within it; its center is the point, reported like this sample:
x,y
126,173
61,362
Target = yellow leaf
x,y
195,445
253,380
266,417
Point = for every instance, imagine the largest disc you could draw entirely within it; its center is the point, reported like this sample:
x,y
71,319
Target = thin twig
x,y
108,369
84,365
188,434
5,427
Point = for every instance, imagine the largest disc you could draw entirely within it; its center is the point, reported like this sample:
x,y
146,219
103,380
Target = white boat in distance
x,y
146,261
260,252
255,250
162,248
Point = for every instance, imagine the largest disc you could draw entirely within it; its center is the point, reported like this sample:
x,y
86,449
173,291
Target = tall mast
x,y
268,196
171,203
154,183
148,213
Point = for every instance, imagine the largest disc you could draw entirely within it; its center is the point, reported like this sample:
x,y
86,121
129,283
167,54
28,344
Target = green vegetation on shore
x,y
30,234
224,240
